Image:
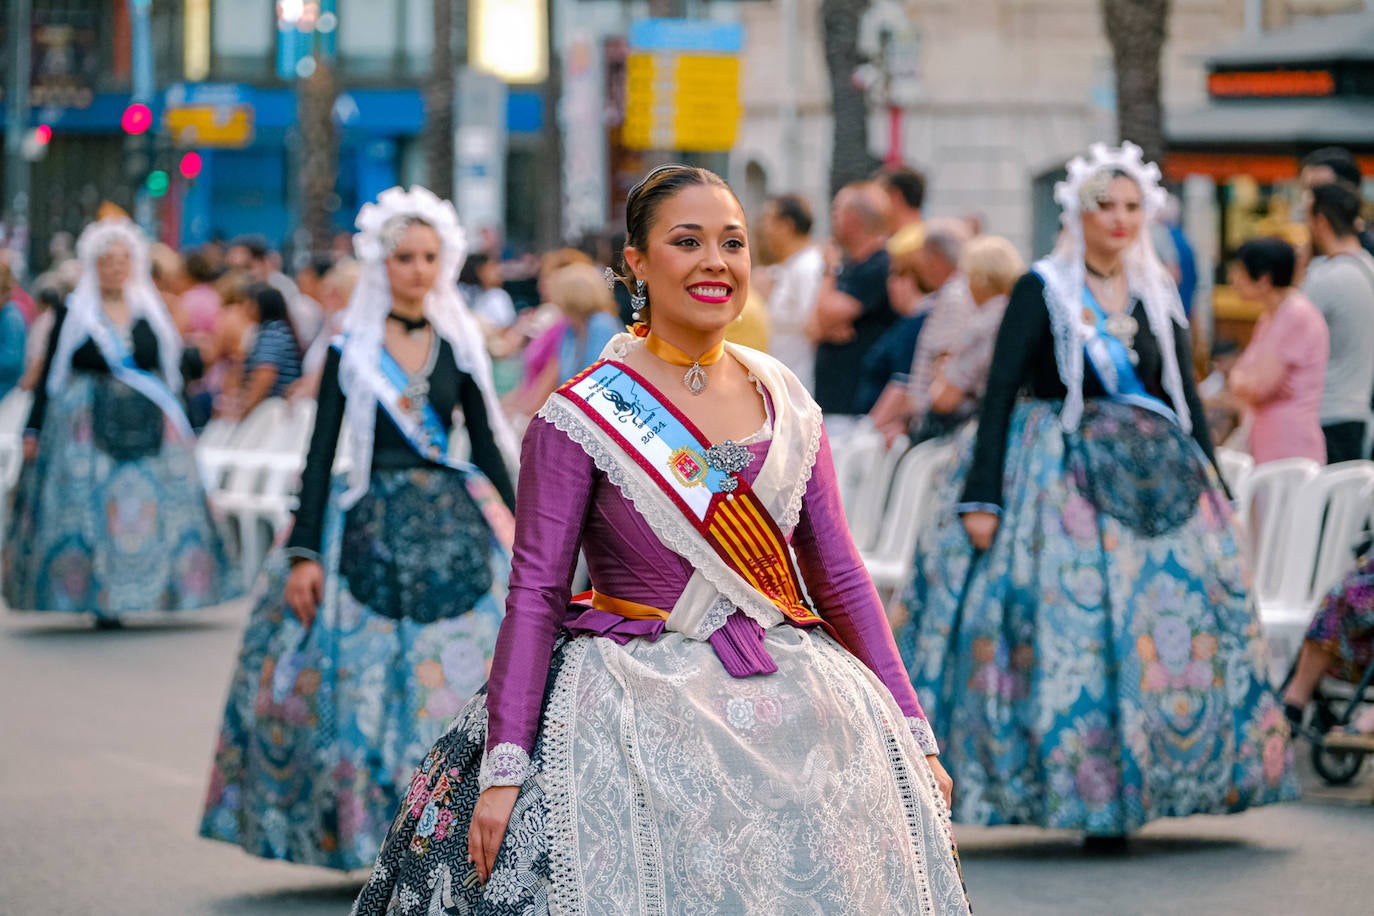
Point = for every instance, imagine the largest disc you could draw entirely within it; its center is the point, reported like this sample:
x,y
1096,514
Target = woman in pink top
x,y
1279,377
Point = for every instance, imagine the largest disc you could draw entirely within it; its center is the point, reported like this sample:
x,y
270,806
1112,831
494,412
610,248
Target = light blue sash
x,y
427,436
1112,363
125,370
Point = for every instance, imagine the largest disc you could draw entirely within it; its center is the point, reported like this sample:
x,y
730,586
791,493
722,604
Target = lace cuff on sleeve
x,y
920,730
506,764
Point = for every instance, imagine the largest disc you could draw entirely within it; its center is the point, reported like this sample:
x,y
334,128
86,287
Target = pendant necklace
x,y
695,377
1121,325
413,326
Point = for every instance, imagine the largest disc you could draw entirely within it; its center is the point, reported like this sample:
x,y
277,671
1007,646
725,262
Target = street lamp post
x,y
16,123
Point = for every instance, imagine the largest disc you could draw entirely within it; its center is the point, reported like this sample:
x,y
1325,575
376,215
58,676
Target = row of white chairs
x,y
887,494
252,471
1303,523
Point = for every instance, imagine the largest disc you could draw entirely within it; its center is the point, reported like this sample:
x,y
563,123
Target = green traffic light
x,y
158,183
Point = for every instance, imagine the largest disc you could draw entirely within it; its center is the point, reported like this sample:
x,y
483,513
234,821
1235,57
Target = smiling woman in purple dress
x,y
723,723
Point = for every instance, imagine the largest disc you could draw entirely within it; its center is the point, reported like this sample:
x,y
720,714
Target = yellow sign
x,y
679,100
217,126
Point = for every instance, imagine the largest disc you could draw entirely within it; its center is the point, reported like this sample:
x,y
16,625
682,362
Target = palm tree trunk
x,y
438,135
1137,30
320,155
850,159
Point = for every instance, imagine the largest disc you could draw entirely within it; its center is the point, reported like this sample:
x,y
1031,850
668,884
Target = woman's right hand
x,y
30,448
981,528
305,590
489,820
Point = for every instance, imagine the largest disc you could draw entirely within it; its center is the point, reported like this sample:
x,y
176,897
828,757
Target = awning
x,y
1319,40
1301,123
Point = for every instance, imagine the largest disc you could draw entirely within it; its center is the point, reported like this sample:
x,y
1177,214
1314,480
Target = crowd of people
x,y
420,690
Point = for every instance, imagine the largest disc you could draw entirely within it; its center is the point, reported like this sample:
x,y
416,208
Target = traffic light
x,y
35,143
158,182
137,119
190,166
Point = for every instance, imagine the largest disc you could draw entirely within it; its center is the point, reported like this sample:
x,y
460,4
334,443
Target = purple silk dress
x,y
559,484
767,770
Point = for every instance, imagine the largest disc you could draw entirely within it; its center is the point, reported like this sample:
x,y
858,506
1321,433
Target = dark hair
x,y
318,266
471,273
256,245
661,184
49,297
1339,161
199,267
1339,205
906,181
1225,347
1270,257
271,304
794,209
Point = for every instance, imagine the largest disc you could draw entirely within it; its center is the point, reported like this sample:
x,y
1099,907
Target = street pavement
x,y
105,741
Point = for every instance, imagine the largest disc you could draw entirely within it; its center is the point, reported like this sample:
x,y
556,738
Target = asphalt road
x,y
105,741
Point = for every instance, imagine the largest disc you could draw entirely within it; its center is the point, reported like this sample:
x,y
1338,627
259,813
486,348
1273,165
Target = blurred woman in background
x,y
375,623
110,515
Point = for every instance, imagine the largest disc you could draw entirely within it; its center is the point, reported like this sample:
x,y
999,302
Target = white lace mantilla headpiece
x,y
85,311
364,322
1146,276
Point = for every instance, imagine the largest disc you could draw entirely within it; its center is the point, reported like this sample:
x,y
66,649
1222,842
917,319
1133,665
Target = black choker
x,y
411,325
1100,275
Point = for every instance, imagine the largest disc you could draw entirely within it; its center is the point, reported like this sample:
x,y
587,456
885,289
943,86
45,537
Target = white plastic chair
x,y
908,510
243,472
1325,519
854,460
1235,467
1265,505
866,515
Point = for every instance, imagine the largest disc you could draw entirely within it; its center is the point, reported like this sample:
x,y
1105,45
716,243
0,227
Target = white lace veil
x,y
1146,276
364,323
84,309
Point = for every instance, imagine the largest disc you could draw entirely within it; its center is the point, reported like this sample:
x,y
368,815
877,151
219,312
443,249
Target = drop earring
x,y
639,302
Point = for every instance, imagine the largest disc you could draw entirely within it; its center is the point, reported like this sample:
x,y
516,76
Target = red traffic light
x,y
191,164
42,134
137,118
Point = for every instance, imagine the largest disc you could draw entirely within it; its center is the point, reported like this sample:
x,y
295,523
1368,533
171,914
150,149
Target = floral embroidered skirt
x,y
659,784
1345,624
1088,672
323,727
88,533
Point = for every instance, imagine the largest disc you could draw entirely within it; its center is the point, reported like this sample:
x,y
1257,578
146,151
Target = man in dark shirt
x,y
853,310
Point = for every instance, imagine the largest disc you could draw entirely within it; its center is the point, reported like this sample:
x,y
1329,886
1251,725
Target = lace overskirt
x,y
660,784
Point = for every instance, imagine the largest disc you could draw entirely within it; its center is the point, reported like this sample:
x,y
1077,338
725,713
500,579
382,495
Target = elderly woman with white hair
x,y
110,515
377,620
1080,628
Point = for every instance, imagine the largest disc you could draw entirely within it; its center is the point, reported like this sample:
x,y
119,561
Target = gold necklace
x,y
695,377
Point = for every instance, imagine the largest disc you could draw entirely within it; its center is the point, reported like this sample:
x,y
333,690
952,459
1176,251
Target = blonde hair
x,y
993,261
556,260
580,291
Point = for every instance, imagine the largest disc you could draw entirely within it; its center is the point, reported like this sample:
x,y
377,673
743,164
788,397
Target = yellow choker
x,y
695,377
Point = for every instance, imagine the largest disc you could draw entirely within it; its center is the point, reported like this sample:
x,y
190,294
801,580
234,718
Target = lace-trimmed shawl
x,y
1146,277
781,484
364,325
85,311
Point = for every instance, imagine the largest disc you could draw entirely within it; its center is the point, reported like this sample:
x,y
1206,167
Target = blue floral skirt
x,y
323,727
1096,668
92,534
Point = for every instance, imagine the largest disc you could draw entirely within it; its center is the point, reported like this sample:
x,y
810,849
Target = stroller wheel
x,y
1336,767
